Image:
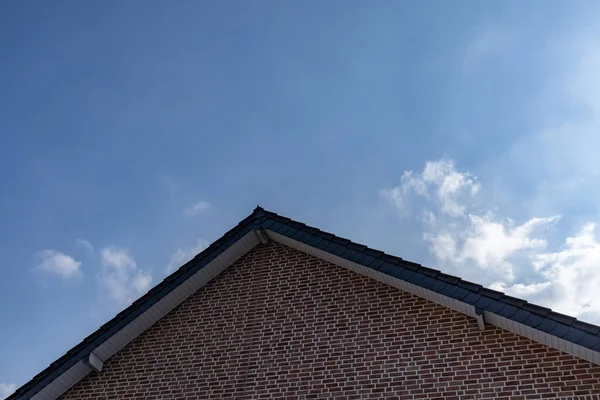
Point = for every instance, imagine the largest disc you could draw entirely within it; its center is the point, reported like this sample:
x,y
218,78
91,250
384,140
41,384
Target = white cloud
x,y
197,208
184,254
120,277
85,244
439,182
489,244
469,239
509,257
6,389
570,277
55,262
453,187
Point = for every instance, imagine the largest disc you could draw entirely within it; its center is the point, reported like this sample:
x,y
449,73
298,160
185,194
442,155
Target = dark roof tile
x,y
323,244
357,247
331,247
313,241
268,223
533,320
283,229
543,311
469,286
377,264
495,306
559,330
311,230
341,241
438,285
490,293
574,335
387,268
325,235
296,225
348,254
290,232
427,282
513,301
588,340
507,311
373,253
307,237
298,235
563,319
429,272
449,290
357,258
547,325
520,316
367,260
471,298
339,251
584,326
399,272
415,278
483,302
390,259
276,225
410,265
449,279
460,293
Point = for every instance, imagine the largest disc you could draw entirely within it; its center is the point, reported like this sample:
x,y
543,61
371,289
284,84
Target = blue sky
x,y
462,136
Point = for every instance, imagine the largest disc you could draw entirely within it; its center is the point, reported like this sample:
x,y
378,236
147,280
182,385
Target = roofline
x,y
495,307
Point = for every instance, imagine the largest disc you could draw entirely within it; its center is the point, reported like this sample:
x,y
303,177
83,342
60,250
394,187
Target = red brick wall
x,y
280,323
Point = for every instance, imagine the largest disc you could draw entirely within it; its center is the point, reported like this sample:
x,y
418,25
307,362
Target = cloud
x,y
184,254
569,277
57,263
470,239
506,256
6,389
85,244
197,208
440,182
488,243
120,277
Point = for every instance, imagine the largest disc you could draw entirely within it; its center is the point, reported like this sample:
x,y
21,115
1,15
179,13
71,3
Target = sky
x,y
459,135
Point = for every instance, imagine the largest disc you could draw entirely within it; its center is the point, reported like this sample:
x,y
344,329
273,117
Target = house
x,y
278,309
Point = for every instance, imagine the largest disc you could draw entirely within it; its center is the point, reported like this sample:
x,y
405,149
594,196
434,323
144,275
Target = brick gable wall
x,y
282,324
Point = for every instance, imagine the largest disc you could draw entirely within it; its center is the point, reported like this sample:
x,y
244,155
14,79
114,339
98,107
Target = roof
x,y
539,323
